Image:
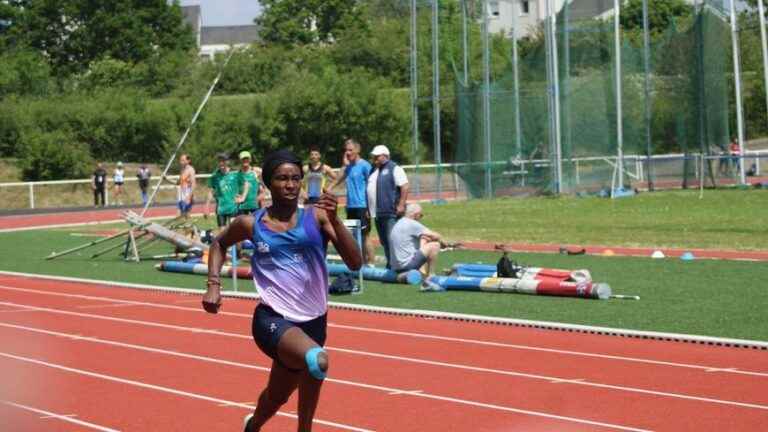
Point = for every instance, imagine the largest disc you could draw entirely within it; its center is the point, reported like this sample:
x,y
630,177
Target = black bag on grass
x,y
344,284
506,268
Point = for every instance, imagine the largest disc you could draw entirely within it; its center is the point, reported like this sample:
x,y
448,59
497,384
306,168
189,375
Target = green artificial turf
x,y
722,219
715,298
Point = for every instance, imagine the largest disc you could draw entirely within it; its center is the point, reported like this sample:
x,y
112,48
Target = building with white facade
x,y
217,39
530,13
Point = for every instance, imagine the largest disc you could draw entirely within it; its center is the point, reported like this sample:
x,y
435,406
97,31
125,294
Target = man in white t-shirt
x,y
387,192
414,246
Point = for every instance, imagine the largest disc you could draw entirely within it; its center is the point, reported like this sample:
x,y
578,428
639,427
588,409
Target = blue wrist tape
x,y
311,358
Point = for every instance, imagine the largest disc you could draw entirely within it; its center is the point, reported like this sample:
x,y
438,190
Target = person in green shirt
x,y
251,194
223,186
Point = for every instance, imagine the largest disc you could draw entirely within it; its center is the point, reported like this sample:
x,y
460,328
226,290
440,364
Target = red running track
x,y
133,360
41,220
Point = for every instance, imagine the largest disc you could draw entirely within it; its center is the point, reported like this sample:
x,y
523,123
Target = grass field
x,y
716,298
723,219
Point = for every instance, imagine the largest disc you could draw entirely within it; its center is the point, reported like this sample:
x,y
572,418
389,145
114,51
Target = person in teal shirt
x,y
251,194
223,186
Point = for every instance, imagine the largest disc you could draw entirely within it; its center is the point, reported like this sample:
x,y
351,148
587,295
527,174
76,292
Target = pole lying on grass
x,y
170,223
113,247
87,245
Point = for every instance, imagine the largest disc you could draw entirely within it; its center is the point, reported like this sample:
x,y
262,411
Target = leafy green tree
x,y
23,72
74,33
307,21
661,13
54,156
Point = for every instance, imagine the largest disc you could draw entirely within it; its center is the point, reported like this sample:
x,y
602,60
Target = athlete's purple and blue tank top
x,y
289,268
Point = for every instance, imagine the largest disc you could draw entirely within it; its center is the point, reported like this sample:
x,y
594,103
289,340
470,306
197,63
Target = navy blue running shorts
x,y
268,327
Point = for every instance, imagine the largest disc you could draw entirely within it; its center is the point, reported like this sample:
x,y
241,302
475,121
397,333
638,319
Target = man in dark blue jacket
x,y
387,194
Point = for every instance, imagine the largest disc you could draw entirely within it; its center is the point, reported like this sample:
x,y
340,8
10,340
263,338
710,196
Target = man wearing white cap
x,y
387,193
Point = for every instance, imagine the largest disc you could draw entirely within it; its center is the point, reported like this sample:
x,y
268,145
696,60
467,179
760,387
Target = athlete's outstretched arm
x,y
240,229
335,230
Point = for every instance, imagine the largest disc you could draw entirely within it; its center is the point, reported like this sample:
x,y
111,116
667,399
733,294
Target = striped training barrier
x,y
537,273
551,287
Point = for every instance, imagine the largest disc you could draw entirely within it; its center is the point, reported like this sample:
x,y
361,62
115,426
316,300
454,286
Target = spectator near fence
x,y
251,193
223,186
735,150
355,172
186,185
387,193
144,174
119,178
315,175
99,184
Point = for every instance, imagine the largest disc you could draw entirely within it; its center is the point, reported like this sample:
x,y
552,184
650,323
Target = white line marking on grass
x,y
165,389
407,334
409,359
388,390
67,418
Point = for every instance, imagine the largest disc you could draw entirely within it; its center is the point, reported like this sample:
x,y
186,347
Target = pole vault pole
x,y
186,134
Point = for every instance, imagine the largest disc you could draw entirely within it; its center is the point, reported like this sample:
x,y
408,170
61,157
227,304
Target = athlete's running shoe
x,y
247,423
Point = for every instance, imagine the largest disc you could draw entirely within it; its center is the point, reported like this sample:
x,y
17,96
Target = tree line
x,y
119,80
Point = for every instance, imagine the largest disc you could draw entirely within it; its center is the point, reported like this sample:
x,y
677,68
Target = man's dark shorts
x,y
362,215
246,212
223,220
268,327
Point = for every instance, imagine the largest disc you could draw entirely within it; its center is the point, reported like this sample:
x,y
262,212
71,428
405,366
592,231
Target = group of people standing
x,y
236,192
99,184
377,193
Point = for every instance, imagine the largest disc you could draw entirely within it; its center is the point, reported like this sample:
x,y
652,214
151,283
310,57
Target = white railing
x,y
639,162
37,184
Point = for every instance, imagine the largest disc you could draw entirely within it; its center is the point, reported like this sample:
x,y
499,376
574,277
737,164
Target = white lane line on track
x,y
388,390
410,334
670,338
391,391
410,359
67,418
57,416
406,392
165,389
17,310
568,381
721,370
236,404
111,305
